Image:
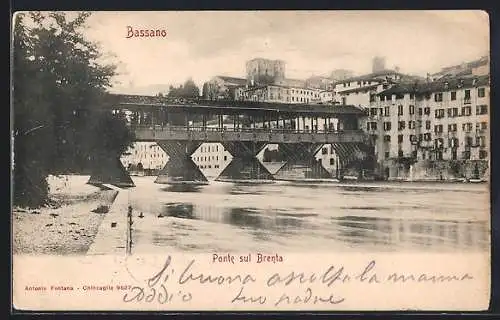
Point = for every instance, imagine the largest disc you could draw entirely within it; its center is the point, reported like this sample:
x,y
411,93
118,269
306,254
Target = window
x,y
373,112
387,111
411,109
439,143
483,154
324,151
420,111
332,161
382,98
387,154
428,125
439,155
481,92
467,127
452,127
400,110
420,137
371,126
466,155
401,125
439,113
453,142
481,126
427,137
438,97
413,138
411,124
467,95
466,111
454,112
225,158
381,111
481,109
438,128
412,96
400,138
387,126
387,138
453,96
400,153
481,141
427,110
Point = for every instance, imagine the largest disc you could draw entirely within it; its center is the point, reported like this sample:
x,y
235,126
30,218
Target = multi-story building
x,y
284,94
223,88
318,82
361,90
341,74
211,158
435,129
144,157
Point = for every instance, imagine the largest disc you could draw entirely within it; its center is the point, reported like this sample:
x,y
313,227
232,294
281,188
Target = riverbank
x,y
68,226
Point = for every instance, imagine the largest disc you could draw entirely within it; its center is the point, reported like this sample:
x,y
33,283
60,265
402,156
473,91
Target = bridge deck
x,y
257,135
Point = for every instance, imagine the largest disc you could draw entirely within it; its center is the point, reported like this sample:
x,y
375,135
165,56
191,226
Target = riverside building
x,y
432,130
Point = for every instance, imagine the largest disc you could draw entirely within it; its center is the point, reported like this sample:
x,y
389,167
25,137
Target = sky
x,y
200,45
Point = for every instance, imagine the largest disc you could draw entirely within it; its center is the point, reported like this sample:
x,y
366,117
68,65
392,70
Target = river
x,y
310,217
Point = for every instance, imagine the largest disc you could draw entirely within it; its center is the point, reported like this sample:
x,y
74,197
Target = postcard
x,y
251,161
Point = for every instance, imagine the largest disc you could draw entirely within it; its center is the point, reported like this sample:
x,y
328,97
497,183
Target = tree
x,y
186,90
59,84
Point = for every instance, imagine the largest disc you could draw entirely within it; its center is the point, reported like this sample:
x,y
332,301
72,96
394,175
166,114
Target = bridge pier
x,y
109,169
180,168
302,163
244,165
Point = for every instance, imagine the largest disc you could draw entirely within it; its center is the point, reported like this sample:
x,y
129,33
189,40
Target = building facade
x,y
432,130
211,159
223,88
284,94
144,158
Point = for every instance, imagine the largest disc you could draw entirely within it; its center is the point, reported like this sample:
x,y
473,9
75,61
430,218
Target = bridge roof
x,y
232,107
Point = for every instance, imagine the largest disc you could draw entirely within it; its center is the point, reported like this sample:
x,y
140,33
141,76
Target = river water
x,y
310,217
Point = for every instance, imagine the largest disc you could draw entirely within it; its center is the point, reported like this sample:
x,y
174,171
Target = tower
x,y
378,64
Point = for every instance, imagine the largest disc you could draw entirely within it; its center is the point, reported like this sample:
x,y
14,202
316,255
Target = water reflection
x,y
182,188
178,210
288,216
246,218
411,232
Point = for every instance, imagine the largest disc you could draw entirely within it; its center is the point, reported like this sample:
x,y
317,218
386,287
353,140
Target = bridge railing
x,y
238,129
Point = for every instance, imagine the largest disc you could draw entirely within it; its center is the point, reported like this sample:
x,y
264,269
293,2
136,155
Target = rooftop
x,y
374,76
437,86
237,81
230,107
